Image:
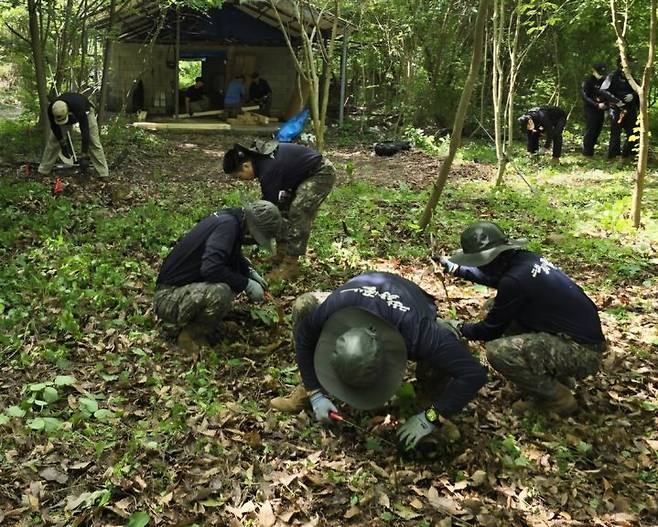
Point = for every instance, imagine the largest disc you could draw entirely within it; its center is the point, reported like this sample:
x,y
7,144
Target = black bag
x,y
390,148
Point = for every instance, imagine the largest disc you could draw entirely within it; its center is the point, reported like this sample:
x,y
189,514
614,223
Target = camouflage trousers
x,y
304,207
536,362
201,303
304,304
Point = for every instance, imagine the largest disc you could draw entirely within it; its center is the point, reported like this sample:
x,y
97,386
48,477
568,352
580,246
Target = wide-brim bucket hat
x,y
392,358
482,242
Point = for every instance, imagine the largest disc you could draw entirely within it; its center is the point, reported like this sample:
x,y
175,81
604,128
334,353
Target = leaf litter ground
x,y
106,422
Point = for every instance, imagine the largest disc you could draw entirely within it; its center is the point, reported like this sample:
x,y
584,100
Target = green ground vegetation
x,y
106,417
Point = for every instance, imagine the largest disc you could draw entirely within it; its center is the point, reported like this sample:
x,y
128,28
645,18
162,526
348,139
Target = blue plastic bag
x,y
293,127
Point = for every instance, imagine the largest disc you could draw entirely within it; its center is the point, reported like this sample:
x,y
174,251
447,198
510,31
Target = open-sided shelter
x,y
240,37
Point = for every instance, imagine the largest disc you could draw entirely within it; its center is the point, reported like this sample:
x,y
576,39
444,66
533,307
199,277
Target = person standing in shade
x,y
234,96
624,106
65,111
542,330
260,93
206,269
354,343
294,177
594,107
196,99
548,121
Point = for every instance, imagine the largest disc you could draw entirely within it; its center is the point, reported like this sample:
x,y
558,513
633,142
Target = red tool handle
x,y
335,416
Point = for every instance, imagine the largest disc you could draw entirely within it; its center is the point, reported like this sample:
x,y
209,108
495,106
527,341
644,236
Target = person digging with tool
x,y
549,121
353,344
624,106
65,111
206,269
294,177
542,330
594,108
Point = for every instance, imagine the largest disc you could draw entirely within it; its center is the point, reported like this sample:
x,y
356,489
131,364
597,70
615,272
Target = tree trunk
x,y
82,77
497,86
643,154
64,47
107,54
464,101
643,93
39,62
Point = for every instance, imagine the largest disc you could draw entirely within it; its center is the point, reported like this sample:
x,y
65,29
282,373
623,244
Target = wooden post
x,y
176,72
343,71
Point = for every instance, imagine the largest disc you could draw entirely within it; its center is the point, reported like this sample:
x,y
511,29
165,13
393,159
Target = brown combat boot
x,y
295,402
288,270
192,339
563,404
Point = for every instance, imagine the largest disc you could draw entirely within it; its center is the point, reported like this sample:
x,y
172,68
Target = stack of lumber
x,y
251,118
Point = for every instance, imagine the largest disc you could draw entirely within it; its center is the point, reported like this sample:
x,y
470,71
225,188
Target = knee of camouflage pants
x,y
202,303
304,304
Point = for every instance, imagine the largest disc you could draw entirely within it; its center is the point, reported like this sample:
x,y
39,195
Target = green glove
x,y
255,291
414,430
456,327
255,276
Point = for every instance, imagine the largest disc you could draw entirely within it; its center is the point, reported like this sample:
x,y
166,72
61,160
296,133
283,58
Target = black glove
x,y
66,149
83,162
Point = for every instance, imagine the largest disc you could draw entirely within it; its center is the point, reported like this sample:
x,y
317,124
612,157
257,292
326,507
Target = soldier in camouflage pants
x,y
537,362
202,304
304,207
542,330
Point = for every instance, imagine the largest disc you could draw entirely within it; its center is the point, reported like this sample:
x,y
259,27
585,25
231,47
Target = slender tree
x,y
315,66
643,91
36,43
464,102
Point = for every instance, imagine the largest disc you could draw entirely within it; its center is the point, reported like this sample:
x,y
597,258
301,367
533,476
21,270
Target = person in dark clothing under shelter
x,y
354,343
549,121
260,93
594,108
196,99
624,106
206,269
542,330
294,177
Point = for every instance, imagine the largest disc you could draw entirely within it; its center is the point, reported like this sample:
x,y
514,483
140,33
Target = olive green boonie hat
x,y
360,358
481,243
264,222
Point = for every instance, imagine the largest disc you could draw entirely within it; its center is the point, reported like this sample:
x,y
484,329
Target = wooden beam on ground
x,y
191,127
207,113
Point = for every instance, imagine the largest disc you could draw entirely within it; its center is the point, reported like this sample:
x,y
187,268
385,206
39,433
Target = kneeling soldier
x,y
199,278
294,177
354,343
542,330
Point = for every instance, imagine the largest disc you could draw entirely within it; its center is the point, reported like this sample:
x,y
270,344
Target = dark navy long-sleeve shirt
x,y
78,105
616,87
284,170
412,311
538,296
210,252
589,91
